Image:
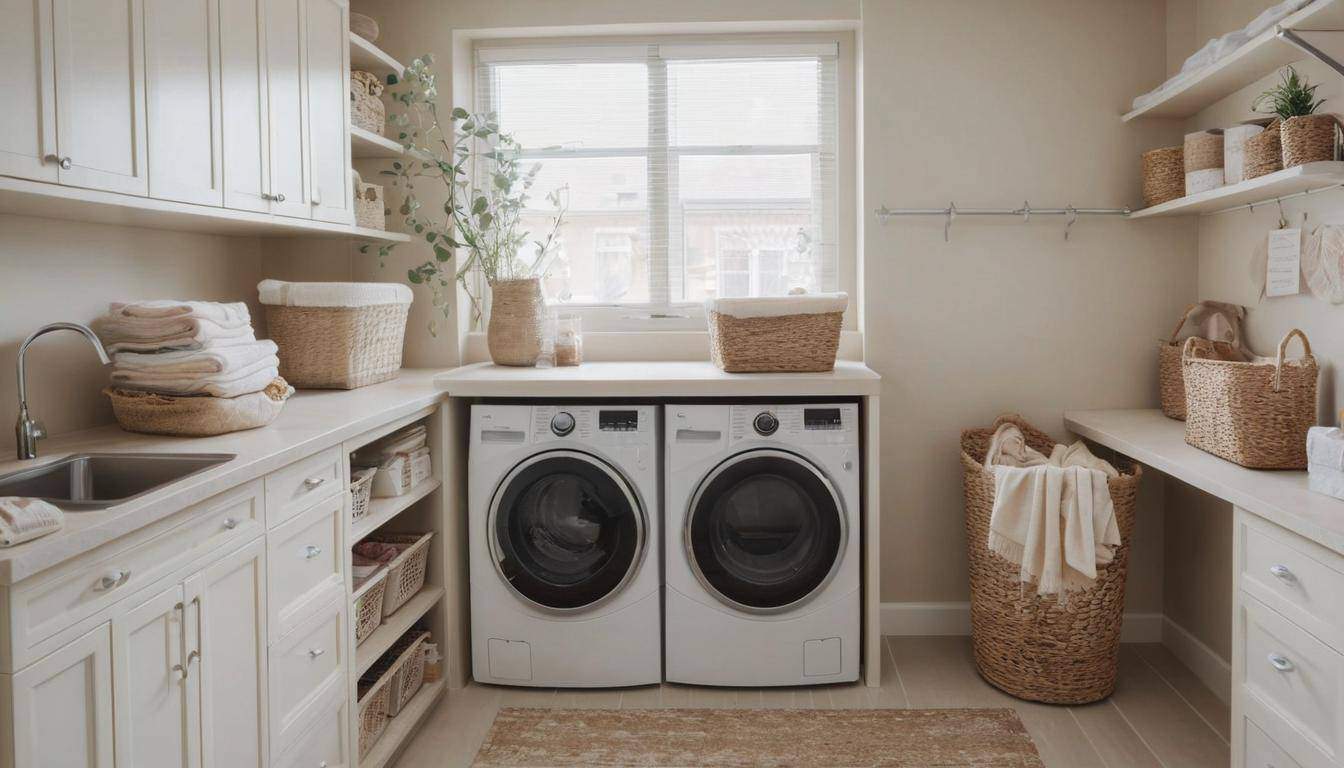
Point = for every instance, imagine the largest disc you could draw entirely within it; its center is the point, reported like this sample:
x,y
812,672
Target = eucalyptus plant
x,y
487,190
1292,97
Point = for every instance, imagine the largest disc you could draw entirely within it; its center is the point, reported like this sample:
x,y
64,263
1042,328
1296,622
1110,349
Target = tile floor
x,y
1160,716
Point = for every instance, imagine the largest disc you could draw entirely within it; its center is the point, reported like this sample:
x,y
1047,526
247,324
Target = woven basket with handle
x,y
1171,374
1034,647
1254,413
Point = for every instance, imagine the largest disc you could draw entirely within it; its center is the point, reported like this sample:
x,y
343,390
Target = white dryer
x,y
762,544
563,523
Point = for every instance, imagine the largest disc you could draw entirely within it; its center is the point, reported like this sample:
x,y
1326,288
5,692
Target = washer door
x,y
766,531
566,530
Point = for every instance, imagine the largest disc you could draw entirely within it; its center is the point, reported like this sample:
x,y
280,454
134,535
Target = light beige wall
x,y
61,270
989,103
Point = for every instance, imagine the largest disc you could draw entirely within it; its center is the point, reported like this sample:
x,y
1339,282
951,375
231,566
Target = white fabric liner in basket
x,y
281,293
779,306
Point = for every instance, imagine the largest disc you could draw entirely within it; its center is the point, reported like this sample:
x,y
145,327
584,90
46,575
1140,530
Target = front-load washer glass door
x,y
765,530
566,530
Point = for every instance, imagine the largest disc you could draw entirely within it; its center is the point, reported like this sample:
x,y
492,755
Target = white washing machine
x,y
563,524
762,544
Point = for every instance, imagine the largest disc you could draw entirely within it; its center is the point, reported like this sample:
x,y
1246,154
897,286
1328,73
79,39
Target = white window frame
x,y
689,315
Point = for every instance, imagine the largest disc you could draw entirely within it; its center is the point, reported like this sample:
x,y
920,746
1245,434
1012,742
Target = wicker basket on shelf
x,y
406,573
366,103
404,665
374,696
1253,413
370,205
1263,153
1163,175
1032,647
1171,372
361,490
368,601
1308,139
777,333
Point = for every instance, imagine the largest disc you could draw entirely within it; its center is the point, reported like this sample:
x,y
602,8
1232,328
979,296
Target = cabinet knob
x,y
113,579
1281,572
280,198
1280,662
230,523
193,656
182,671
310,551
312,482
66,164
313,653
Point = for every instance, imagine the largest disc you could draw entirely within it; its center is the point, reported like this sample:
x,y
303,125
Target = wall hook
x,y
951,216
1073,218
1026,212
1283,220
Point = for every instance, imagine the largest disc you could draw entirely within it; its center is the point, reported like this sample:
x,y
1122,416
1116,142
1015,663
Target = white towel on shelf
x,y
23,519
211,359
120,333
254,378
230,315
281,293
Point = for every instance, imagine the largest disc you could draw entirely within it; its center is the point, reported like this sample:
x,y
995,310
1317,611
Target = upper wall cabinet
x,y
28,121
247,159
285,108
183,100
100,95
328,93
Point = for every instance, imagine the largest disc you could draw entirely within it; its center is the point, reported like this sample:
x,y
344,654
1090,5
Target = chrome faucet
x,y
28,431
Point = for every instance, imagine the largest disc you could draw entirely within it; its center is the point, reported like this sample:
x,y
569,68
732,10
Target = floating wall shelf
x,y
1262,190
366,144
1317,23
370,58
35,198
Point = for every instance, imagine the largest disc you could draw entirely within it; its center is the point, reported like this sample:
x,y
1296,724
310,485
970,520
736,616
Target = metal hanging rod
x,y
1279,200
951,212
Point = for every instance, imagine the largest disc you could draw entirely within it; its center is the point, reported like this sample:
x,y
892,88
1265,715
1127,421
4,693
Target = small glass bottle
x,y
568,340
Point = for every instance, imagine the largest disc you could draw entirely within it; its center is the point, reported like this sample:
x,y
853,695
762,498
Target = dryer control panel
x,y
603,425
821,424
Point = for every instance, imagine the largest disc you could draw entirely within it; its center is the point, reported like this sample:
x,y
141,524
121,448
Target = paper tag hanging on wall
x,y
1285,263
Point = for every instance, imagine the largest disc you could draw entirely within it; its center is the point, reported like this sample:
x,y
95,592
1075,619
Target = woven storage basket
x,y
366,103
403,665
1264,153
370,206
1170,372
374,696
1203,151
1308,139
198,415
1032,647
406,573
338,347
361,489
368,601
1163,175
1254,413
757,337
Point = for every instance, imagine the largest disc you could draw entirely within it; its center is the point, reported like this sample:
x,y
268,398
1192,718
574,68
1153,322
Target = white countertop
x,y
1279,496
654,379
311,421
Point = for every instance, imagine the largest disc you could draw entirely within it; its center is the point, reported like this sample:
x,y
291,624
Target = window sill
x,y
648,345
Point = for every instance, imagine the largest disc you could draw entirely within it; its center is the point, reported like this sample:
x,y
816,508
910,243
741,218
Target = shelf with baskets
x,y
1310,177
369,145
1258,57
370,58
400,728
381,510
394,626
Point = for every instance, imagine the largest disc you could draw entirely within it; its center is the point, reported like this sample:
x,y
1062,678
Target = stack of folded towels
x,y
186,348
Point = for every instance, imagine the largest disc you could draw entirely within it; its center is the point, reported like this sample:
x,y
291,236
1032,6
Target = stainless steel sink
x,y
100,480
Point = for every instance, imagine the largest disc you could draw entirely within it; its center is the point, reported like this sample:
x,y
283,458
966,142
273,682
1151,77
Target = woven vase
x,y
1307,139
516,314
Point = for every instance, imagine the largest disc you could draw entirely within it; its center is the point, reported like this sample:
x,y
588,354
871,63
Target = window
x,y
693,171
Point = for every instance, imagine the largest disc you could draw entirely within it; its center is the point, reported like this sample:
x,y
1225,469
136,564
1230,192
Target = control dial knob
x,y
765,423
562,424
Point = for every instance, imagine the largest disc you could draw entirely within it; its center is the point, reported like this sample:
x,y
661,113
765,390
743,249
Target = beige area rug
x,y
742,738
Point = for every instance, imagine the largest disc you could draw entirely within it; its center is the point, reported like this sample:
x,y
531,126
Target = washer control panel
x,y
820,424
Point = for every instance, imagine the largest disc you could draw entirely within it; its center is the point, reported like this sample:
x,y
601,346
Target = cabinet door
x,y
63,706
227,604
100,104
182,100
285,108
328,92
28,91
242,52
155,683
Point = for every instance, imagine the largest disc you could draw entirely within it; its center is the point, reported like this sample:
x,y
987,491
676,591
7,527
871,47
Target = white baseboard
x,y
955,619
1211,669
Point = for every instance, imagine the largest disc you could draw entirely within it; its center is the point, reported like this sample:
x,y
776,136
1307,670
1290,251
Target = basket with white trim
x,y
368,601
406,572
361,489
374,693
773,334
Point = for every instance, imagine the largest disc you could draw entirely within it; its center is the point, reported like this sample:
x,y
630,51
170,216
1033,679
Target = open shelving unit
x,y
396,625
367,144
1320,23
382,510
1311,177
368,57
394,740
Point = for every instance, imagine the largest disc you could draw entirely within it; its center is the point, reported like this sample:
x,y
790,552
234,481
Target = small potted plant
x,y
477,193
1306,137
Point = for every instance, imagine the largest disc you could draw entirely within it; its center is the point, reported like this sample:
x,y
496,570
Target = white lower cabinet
x,y
153,682
60,707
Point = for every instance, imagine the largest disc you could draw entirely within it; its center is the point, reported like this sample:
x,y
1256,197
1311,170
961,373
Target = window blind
x,y
693,171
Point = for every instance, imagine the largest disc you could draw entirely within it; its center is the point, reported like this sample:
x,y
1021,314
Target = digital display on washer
x,y
618,421
821,418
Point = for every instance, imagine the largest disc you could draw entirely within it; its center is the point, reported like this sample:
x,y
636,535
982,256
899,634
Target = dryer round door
x,y
566,530
765,531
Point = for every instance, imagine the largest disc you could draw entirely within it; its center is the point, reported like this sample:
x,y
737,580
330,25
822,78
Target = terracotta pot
x,y
516,314
1308,139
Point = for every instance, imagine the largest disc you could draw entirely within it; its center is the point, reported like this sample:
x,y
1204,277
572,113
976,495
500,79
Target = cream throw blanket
x,y
1052,515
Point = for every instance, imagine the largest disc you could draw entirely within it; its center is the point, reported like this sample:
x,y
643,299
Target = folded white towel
x,y
281,293
139,334
1271,16
210,359
230,315
23,519
245,382
776,306
389,448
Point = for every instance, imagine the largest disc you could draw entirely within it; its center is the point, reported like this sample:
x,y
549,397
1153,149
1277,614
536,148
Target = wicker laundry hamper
x,y
1253,413
336,335
1033,647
